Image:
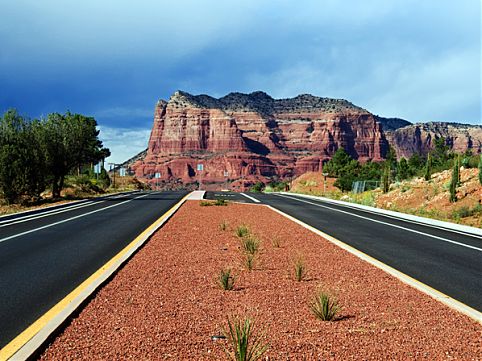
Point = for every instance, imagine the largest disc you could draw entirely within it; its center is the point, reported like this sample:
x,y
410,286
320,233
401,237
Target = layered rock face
x,y
250,137
419,138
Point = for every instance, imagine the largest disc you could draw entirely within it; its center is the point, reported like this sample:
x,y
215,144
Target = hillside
x,y
415,196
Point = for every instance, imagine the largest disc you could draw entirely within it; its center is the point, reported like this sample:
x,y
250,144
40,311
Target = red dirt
x,y
164,304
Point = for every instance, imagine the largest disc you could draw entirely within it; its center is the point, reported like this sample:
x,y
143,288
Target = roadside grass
x,y
242,231
226,279
245,342
299,266
324,306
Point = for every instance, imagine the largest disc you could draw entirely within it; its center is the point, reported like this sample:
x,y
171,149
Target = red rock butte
x,y
243,138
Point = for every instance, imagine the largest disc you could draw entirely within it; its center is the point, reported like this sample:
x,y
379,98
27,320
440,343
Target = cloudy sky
x,y
419,60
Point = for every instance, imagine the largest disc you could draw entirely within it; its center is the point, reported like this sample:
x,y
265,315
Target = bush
x,y
223,225
324,306
299,268
258,187
242,231
226,279
245,343
250,244
220,202
249,260
205,203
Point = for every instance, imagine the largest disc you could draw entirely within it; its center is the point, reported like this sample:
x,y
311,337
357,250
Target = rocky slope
x,y
242,138
249,137
419,138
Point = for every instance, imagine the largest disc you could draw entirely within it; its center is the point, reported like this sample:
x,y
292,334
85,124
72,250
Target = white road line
x,y
70,219
52,212
252,198
386,223
46,214
354,207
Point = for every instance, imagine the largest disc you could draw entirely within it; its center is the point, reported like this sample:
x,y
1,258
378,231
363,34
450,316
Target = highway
x,y
45,254
448,261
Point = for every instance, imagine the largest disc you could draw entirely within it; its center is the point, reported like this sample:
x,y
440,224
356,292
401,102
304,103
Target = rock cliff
x,y
419,138
242,138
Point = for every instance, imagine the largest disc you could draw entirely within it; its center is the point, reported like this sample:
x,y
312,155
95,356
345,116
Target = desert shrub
x,y
223,225
250,244
299,268
244,342
205,203
258,187
220,202
242,231
226,279
324,306
249,260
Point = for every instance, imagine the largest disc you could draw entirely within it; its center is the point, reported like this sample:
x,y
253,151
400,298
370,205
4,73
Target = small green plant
x,y
205,203
223,225
220,202
324,306
245,344
249,260
250,244
226,279
242,231
299,268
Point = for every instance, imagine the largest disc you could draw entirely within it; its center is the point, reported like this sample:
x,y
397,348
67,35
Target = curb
x,y
393,214
437,295
27,343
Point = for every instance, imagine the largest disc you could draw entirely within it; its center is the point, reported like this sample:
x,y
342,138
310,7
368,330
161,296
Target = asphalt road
x,y
45,254
448,261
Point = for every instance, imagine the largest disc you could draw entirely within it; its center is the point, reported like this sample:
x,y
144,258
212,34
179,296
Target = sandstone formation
x,y
250,137
419,138
243,138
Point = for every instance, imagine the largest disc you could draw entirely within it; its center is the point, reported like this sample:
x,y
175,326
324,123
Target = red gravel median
x,y
165,303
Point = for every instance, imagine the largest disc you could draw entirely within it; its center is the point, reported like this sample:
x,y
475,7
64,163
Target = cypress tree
x,y
386,178
480,169
428,167
454,181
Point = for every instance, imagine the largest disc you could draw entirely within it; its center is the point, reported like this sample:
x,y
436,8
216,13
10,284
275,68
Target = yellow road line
x,y
90,285
432,292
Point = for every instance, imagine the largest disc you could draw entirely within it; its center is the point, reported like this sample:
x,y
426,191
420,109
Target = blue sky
x,y
419,60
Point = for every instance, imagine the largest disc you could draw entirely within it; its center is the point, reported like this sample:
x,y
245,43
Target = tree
x,y
454,181
480,169
22,165
403,169
428,167
386,178
336,164
69,141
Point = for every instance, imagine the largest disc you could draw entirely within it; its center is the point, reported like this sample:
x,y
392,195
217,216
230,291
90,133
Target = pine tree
x,y
428,167
454,181
386,178
480,169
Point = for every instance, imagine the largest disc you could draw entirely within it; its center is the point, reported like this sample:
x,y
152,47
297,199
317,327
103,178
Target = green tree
x,y
69,141
386,177
22,165
428,168
480,169
403,169
334,167
454,181
347,175
440,155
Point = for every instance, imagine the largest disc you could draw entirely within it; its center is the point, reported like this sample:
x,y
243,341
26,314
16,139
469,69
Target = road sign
x,y
97,168
200,167
122,172
226,173
157,175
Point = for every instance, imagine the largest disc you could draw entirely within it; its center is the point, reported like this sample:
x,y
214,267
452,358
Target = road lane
x,y
39,268
422,252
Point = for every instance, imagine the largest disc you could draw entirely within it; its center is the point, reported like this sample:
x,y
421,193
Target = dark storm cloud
x,y
114,59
